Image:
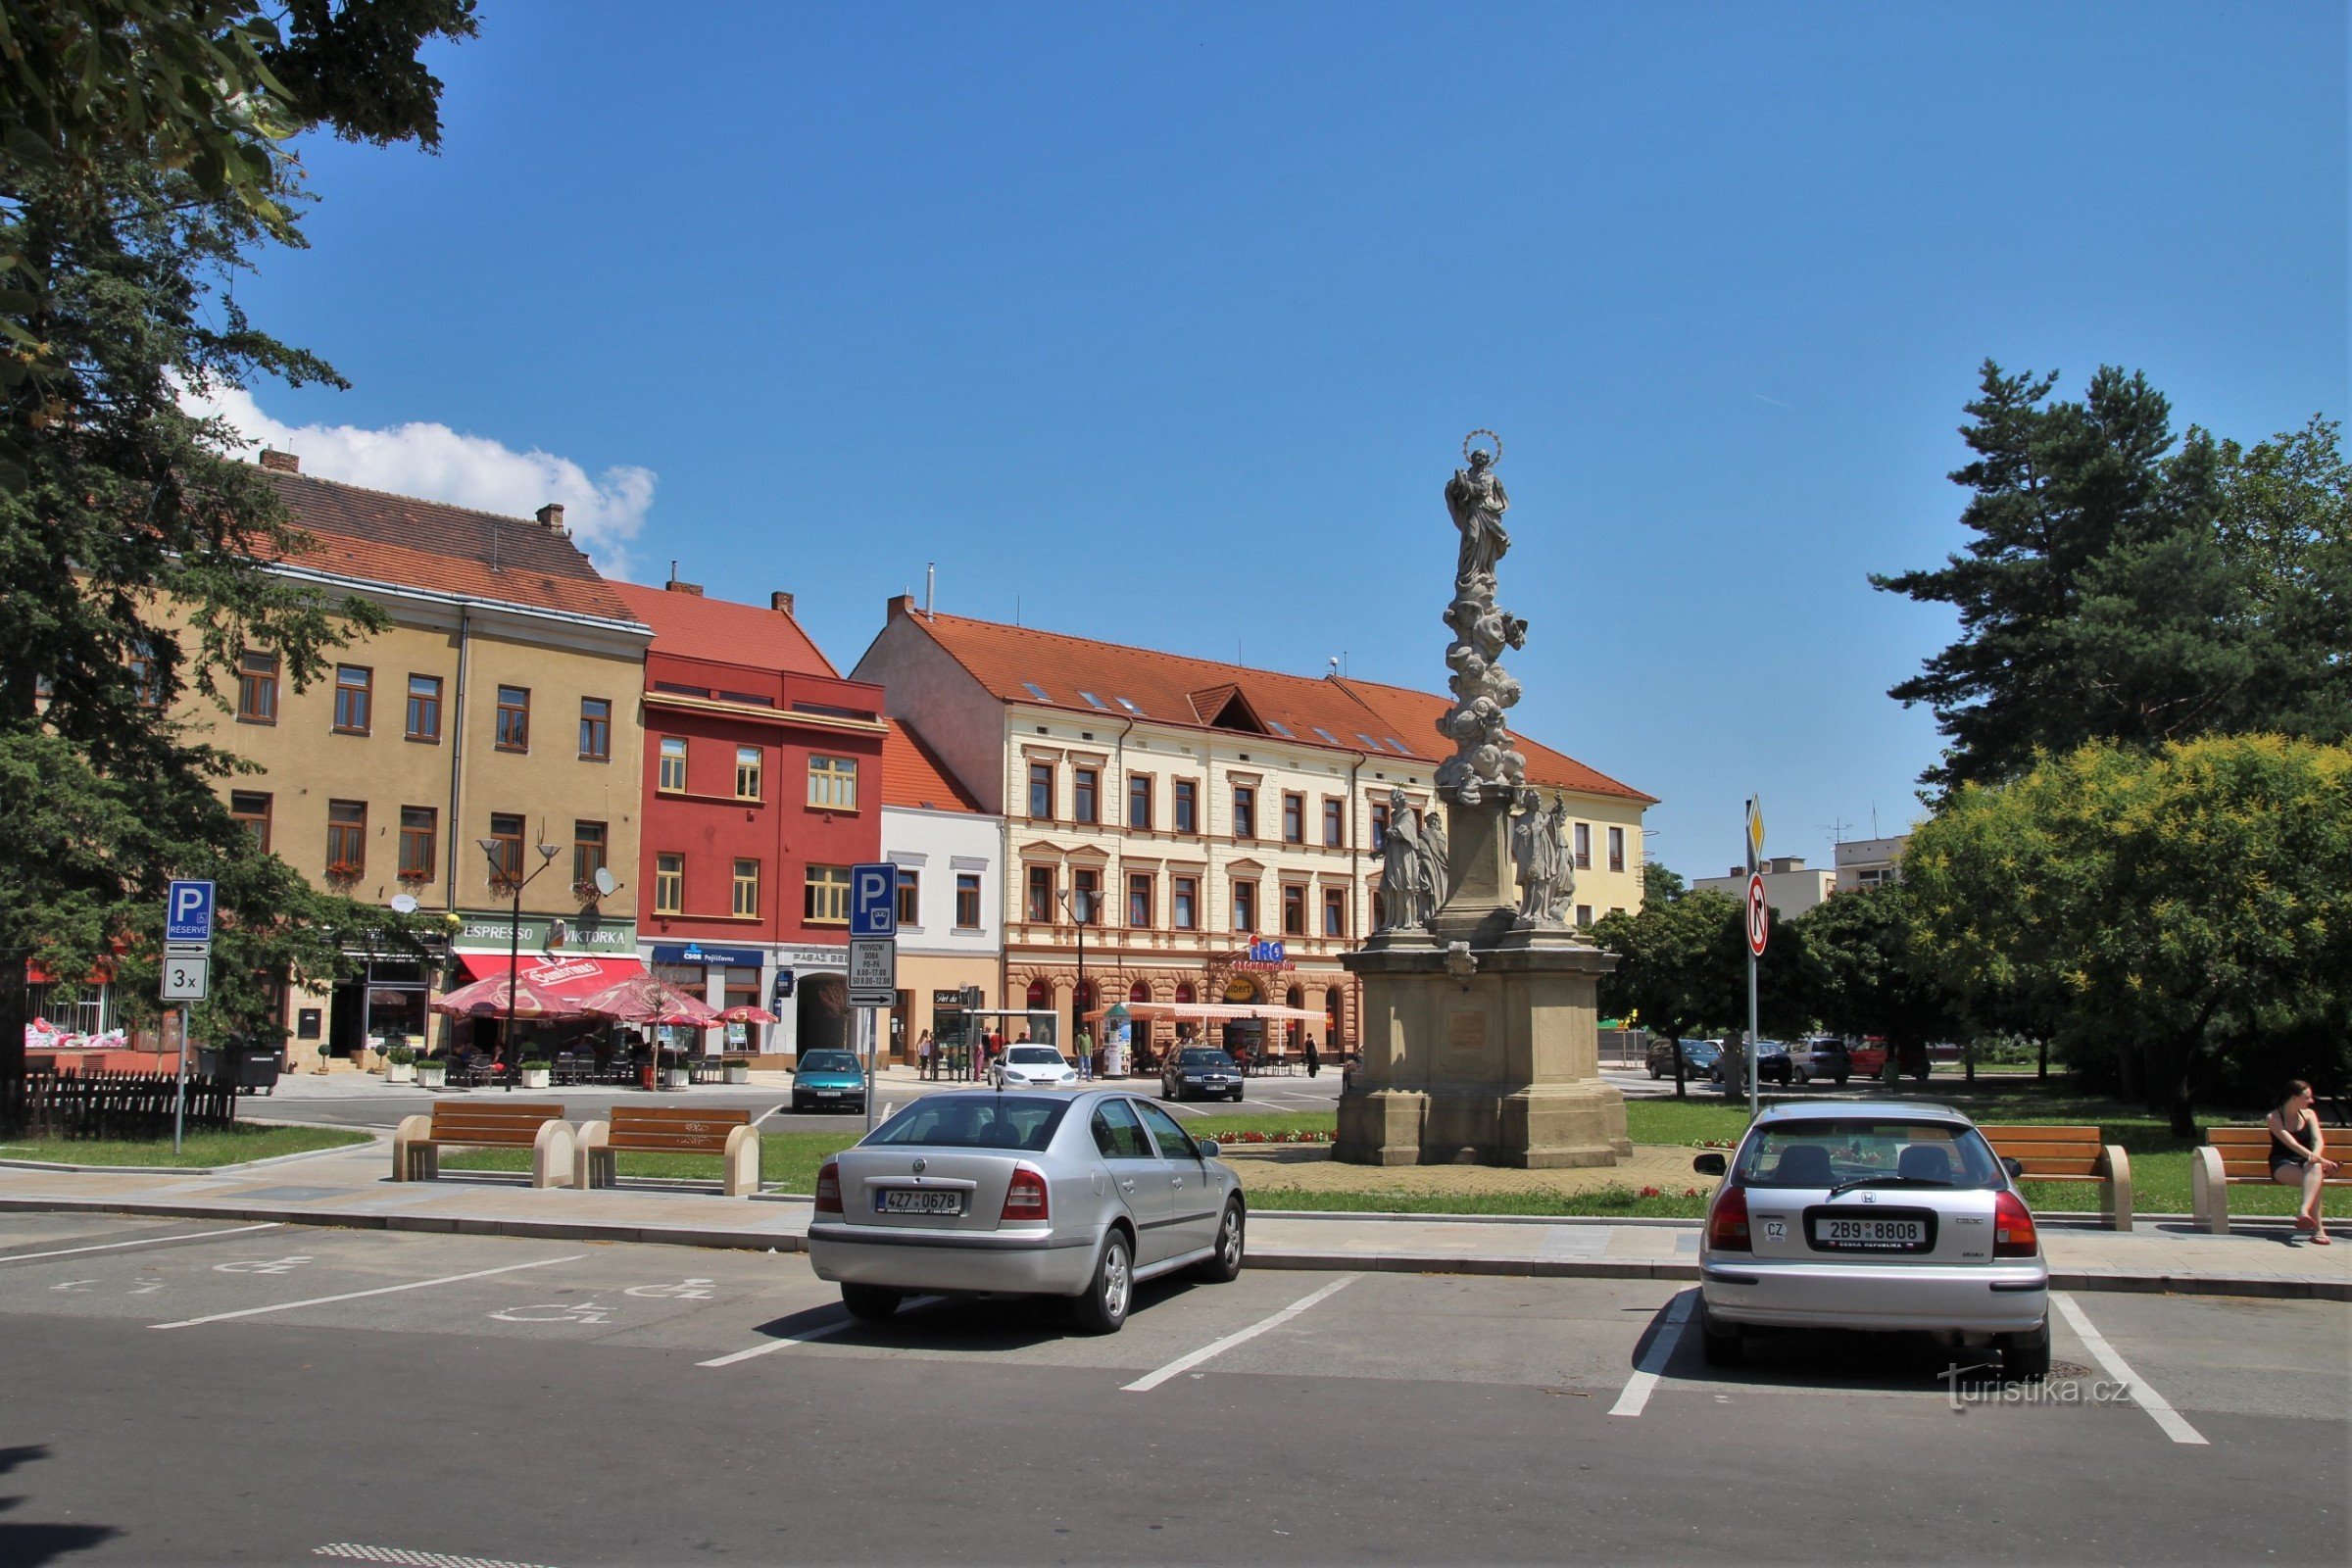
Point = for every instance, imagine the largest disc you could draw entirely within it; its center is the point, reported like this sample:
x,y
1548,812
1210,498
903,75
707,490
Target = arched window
x,y
1292,997
1139,992
1331,1018
1041,994
1184,991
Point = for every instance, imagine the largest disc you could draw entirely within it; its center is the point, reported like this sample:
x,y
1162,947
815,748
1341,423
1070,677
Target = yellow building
x,y
1216,823
502,703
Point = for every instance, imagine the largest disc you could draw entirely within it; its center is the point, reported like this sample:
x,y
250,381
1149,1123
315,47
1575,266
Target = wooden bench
x,y
2070,1154
671,1130
417,1142
2230,1154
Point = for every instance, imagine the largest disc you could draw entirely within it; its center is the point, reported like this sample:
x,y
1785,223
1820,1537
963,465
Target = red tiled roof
x,y
913,774
1410,714
401,541
691,626
1355,715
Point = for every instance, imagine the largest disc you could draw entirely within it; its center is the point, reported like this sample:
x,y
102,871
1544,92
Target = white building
x,y
950,856
1867,863
1791,887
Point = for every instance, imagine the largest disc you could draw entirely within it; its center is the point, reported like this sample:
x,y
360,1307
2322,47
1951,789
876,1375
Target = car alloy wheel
x,y
1226,1267
1103,1310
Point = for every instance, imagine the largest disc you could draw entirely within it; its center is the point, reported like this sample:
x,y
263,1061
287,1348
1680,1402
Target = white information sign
x,y
184,978
873,971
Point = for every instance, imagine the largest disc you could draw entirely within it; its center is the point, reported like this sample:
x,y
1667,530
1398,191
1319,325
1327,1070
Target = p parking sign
x,y
189,913
874,900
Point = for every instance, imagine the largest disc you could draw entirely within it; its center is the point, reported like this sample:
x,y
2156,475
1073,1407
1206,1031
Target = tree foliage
x,y
1682,963
2127,585
2187,916
143,161
1863,978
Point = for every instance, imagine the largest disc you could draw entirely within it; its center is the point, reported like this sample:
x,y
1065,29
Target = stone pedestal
x,y
1487,1054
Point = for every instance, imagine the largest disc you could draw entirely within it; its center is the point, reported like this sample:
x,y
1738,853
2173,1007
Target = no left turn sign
x,y
1759,913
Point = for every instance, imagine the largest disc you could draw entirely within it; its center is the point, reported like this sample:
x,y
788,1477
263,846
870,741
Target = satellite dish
x,y
606,882
403,904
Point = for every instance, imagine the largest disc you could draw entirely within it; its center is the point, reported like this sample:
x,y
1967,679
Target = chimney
x,y
780,601
280,461
901,605
551,516
678,587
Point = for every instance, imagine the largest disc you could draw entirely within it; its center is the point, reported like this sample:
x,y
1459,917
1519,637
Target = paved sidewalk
x,y
351,1186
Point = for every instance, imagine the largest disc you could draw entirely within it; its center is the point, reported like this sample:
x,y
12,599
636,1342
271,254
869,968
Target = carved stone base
x,y
1496,1067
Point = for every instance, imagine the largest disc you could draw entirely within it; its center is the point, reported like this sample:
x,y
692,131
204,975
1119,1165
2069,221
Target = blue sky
x,y
1164,323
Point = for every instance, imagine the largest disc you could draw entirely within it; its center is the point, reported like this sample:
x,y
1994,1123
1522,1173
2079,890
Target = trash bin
x,y
258,1067
210,1062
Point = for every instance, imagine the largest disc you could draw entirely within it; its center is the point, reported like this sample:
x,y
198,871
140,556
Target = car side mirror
x,y
1708,1164
2014,1166
1207,1148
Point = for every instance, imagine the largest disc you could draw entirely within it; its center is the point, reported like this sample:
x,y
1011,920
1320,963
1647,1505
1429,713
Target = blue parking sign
x,y
189,913
874,900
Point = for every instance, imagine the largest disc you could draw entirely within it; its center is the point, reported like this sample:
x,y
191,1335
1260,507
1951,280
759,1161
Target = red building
x,y
762,787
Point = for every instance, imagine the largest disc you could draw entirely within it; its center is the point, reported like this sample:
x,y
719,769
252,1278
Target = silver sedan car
x,y
1047,1193
1872,1214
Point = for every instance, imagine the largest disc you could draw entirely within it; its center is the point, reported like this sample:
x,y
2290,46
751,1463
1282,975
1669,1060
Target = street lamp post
x,y
516,882
1080,911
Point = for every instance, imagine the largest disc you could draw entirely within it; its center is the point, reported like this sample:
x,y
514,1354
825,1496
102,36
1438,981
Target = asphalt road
x,y
277,1395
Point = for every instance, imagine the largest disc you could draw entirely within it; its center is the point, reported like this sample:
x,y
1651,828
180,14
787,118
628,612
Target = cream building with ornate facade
x,y
1219,823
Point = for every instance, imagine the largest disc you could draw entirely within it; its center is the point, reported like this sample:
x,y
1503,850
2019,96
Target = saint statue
x,y
1541,857
1474,495
1400,868
1435,864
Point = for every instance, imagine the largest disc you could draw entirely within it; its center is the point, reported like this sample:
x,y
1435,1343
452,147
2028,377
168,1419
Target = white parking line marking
x,y
144,1241
1661,1351
352,1295
354,1551
2158,1409
824,1333
1185,1363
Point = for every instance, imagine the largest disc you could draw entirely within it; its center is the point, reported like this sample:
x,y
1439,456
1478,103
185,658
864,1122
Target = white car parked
x,y
1872,1214
1032,1067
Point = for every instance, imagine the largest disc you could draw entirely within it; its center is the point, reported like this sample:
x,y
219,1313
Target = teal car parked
x,y
828,1080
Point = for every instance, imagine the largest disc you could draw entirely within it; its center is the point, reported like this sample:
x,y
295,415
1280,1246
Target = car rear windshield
x,y
1868,1152
975,1121
1034,1056
1203,1058
827,1061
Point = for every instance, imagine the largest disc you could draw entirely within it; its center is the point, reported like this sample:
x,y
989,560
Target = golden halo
x,y
1489,435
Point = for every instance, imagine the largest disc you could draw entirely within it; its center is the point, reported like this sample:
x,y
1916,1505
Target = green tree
x,y
1681,962
2187,917
1863,978
2105,595
143,161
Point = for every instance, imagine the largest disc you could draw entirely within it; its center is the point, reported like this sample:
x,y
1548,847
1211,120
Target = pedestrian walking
x,y
2299,1156
1086,1054
1314,1063
922,1056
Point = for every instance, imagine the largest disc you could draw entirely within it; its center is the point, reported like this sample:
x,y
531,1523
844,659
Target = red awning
x,y
567,977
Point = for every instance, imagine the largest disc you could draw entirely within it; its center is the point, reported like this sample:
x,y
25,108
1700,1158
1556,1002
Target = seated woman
x,y
2299,1156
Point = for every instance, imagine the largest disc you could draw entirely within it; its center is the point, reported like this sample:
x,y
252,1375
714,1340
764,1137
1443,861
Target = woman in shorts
x,y
2299,1156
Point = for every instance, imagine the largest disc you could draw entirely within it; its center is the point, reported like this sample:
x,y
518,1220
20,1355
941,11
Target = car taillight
x,y
1726,1221
2013,1234
829,1188
1025,1197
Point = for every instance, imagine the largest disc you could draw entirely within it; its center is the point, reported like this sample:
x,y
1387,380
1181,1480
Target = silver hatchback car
x,y
1872,1215
1049,1194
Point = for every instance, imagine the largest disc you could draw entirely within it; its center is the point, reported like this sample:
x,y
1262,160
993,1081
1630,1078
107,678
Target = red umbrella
x,y
748,1015
643,1000
487,999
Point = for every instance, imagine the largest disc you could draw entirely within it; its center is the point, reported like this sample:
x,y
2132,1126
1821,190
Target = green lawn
x,y
197,1149
786,1160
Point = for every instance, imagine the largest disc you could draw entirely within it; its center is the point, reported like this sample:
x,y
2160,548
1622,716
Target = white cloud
x,y
432,461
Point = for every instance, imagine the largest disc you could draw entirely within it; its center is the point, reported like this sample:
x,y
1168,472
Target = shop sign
x,y
712,957
814,957
488,931
1265,954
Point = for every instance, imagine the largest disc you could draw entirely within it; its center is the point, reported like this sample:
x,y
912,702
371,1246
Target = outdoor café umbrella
x,y
487,999
748,1015
643,1000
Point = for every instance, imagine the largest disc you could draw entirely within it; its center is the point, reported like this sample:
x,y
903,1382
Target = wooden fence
x,y
110,1104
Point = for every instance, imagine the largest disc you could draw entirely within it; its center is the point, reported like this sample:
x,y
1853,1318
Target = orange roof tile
x,y
1172,688
692,627
405,542
912,775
